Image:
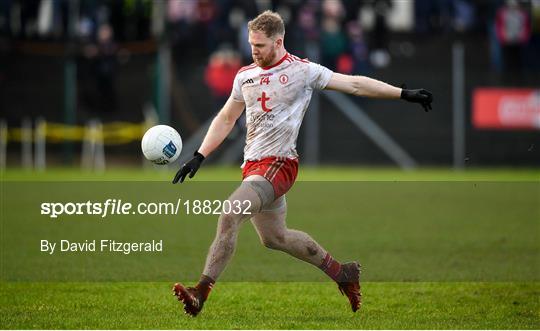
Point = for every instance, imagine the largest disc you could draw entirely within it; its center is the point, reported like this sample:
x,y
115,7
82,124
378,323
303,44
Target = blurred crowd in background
x,y
118,48
353,34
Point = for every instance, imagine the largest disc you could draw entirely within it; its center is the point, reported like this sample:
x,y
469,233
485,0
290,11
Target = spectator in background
x,y
333,40
103,55
307,21
359,52
207,12
220,72
513,30
219,76
219,29
464,15
379,41
304,35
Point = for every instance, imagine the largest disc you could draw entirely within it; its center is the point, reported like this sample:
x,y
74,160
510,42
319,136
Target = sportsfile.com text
x,y
111,207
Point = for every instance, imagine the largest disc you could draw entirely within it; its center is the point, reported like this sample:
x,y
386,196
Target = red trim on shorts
x,y
281,172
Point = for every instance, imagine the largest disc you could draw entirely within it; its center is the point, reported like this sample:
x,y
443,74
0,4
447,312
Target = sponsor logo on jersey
x,y
283,79
263,100
264,120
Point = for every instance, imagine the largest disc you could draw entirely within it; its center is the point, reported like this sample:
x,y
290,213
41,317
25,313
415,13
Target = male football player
x,y
275,91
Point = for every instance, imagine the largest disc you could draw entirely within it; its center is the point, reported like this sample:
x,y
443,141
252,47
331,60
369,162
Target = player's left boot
x,y
190,297
349,284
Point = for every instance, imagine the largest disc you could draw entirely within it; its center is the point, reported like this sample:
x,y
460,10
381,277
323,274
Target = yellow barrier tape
x,y
121,132
114,133
58,132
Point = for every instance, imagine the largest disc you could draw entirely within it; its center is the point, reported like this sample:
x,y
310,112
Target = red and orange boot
x,y
191,298
349,284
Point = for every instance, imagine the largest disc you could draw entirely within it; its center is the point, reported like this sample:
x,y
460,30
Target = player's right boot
x,y
190,297
349,284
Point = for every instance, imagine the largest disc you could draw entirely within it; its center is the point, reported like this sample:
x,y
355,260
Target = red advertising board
x,y
505,108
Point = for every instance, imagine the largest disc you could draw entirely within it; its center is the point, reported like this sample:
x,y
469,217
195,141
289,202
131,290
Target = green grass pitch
x,y
250,305
440,250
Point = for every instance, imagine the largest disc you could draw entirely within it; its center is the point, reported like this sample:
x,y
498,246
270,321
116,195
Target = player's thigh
x,y
248,198
270,223
263,188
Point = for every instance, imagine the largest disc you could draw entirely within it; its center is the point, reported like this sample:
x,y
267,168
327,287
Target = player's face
x,y
263,48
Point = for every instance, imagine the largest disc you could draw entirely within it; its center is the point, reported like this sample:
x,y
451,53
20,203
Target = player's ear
x,y
279,42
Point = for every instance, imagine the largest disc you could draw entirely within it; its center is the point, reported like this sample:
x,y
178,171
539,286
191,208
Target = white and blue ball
x,y
161,144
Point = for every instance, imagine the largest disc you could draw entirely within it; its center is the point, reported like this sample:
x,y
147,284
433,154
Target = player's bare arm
x,y
220,128
372,88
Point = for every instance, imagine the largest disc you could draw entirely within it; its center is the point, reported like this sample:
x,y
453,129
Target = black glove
x,y
421,96
190,168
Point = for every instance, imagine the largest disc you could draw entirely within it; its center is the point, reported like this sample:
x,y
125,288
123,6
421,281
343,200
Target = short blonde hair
x,y
268,22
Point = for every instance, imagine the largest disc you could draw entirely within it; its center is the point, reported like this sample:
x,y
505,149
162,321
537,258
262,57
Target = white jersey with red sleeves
x,y
276,99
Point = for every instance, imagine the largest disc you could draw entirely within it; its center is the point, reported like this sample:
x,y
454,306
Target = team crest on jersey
x,y
283,79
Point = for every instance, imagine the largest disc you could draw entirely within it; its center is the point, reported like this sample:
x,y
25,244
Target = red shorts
x,y
279,171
